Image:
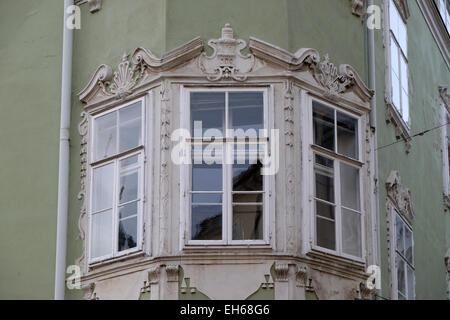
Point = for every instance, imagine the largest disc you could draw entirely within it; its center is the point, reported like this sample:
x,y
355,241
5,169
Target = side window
x,y
228,193
399,62
404,259
117,158
337,199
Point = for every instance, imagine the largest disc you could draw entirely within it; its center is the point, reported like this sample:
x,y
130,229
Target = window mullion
x,y
115,224
338,209
227,196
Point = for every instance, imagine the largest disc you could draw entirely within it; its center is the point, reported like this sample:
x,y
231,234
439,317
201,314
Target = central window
x,y
228,195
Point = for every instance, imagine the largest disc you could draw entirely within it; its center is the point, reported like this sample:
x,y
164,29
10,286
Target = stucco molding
x,y
445,96
94,5
281,272
403,8
172,272
437,27
401,128
447,267
400,196
227,62
358,8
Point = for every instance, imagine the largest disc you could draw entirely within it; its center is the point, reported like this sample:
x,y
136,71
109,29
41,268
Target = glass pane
x,y
105,136
248,222
394,58
396,92
324,210
198,198
400,274
393,18
129,186
402,36
206,222
101,242
128,210
411,284
248,198
103,184
208,109
347,135
324,178
325,234
323,122
130,127
399,231
129,162
350,187
127,234
351,233
247,177
206,177
405,106
409,245
246,111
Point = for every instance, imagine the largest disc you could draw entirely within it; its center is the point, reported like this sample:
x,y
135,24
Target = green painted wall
x,y
30,65
421,169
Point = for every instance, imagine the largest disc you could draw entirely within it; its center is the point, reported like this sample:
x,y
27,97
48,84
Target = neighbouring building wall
x,y
30,85
420,169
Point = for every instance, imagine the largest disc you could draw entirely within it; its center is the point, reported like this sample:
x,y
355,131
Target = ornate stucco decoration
x,y
445,96
401,129
358,7
94,5
403,8
447,265
227,62
400,196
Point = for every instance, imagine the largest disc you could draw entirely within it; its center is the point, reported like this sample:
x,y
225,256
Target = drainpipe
x,y
373,125
63,174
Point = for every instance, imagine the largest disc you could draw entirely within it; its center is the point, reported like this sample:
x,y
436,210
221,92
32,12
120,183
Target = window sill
x,y
110,260
226,247
331,257
402,129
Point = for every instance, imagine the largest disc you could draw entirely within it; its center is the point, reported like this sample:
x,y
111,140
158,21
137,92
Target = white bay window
x,y
117,159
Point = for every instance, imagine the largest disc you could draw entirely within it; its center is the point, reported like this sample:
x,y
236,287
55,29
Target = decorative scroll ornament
x,y
335,81
400,196
227,62
124,80
358,7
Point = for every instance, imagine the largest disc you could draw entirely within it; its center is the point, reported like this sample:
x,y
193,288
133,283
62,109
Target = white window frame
x,y
93,164
445,15
309,149
185,176
392,41
393,253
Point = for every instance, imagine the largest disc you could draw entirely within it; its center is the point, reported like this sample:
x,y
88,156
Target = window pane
x,y
399,231
129,186
199,198
209,109
396,92
405,106
247,177
325,233
206,177
323,122
394,58
402,36
350,187
409,245
324,178
351,233
248,198
101,242
105,136
347,135
248,222
130,127
206,222
400,275
246,111
324,210
128,233
103,184
393,18
128,210
411,284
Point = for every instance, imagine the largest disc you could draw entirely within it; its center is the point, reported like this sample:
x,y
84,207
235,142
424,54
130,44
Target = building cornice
x,y
437,27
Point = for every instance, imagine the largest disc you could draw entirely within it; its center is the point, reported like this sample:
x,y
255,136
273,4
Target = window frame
x,y
311,149
227,214
392,41
116,158
444,13
393,254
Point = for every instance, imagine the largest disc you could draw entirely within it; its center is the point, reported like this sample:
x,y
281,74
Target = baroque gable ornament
x,y
227,62
400,196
